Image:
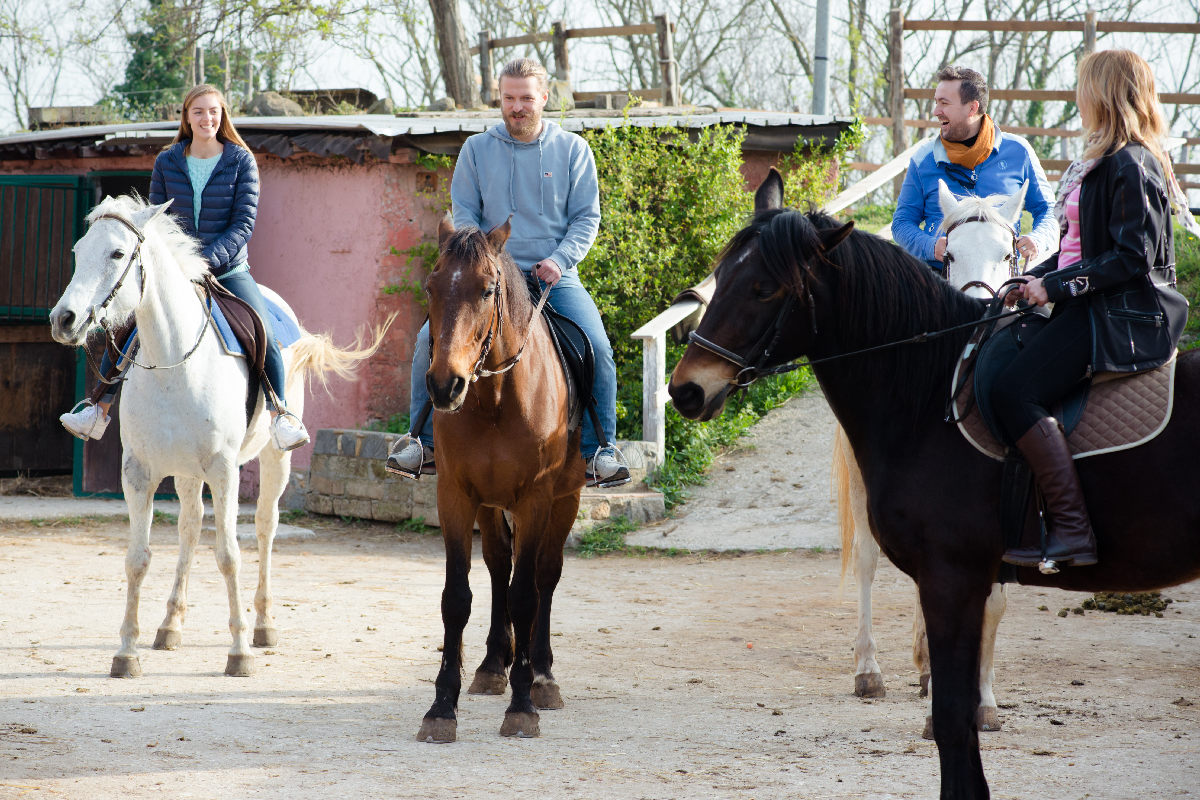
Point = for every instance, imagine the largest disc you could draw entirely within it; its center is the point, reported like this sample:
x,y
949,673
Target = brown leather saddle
x,y
251,334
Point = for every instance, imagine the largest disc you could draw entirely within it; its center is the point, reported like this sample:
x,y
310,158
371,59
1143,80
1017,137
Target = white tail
x,y
315,354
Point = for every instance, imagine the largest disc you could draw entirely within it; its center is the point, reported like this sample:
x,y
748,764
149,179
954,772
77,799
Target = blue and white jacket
x,y
548,186
1011,163
228,205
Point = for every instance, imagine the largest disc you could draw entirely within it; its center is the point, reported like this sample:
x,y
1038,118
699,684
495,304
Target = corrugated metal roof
x,y
429,124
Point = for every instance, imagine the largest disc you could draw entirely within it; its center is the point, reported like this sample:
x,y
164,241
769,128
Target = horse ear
x,y
770,192
498,235
445,228
832,237
143,216
946,198
1013,206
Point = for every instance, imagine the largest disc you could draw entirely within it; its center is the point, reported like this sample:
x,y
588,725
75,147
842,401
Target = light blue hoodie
x,y
547,185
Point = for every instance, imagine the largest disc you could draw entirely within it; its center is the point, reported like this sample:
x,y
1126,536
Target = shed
x,y
342,198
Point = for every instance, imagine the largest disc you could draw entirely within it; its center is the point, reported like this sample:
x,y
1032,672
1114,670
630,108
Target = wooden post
x,y
562,67
487,70
249,80
896,84
199,65
225,70
1089,31
666,60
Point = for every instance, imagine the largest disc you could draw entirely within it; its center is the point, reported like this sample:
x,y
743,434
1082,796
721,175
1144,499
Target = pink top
x,y
1069,251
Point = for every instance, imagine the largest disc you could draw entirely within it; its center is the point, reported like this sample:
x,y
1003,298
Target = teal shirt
x,y
199,171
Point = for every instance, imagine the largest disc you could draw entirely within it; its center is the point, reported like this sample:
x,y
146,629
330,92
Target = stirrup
x,y
393,465
619,478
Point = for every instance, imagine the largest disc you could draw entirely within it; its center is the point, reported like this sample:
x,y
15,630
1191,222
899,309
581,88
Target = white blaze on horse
x,y
184,410
981,254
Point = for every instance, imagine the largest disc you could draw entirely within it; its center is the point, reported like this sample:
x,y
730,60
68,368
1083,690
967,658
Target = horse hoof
x,y
987,719
266,637
435,730
924,685
239,666
928,732
869,684
125,667
486,682
522,724
546,695
167,639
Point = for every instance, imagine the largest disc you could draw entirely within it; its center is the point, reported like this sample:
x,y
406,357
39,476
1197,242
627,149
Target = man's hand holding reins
x,y
548,271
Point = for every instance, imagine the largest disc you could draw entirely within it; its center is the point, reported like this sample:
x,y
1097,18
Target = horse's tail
x,y
840,480
315,354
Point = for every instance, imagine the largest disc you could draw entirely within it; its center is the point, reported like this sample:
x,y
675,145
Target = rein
x,y
748,373
495,330
97,312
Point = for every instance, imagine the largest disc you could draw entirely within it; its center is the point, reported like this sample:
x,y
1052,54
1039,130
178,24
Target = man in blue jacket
x,y
544,178
974,157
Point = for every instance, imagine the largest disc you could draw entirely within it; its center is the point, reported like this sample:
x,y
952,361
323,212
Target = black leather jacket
x,y
1127,275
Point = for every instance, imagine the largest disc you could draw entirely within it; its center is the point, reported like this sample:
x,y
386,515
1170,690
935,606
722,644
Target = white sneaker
x,y
90,423
288,432
607,468
410,458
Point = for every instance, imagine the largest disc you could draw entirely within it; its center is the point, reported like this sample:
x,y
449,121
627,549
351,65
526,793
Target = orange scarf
x,y
972,157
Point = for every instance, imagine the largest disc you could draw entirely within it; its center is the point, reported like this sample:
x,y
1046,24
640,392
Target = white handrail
x,y
654,333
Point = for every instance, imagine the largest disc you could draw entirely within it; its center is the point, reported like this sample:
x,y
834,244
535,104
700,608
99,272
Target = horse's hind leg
x,y
139,489
224,485
274,468
492,675
191,512
545,692
868,678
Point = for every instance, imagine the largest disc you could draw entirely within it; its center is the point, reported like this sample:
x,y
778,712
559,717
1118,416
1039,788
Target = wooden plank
x,y
1014,25
616,30
875,180
1023,130
1050,95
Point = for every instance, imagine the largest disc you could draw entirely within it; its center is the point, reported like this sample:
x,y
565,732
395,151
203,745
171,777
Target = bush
x,y
1187,272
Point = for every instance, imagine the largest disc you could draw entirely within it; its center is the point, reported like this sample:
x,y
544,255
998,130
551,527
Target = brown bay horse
x,y
795,284
503,445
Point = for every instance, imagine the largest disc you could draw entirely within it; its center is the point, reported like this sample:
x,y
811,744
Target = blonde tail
x,y
840,479
315,354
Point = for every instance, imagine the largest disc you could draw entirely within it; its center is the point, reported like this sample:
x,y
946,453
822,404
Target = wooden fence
x,y
662,28
1088,27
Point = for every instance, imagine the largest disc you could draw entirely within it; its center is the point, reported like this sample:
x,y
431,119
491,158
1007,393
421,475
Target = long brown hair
x,y
225,131
1118,88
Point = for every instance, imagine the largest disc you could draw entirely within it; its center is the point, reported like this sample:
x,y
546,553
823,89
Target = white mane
x,y
986,208
184,249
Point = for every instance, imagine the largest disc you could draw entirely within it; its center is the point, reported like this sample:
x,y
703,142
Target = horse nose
x,y
446,395
61,321
688,398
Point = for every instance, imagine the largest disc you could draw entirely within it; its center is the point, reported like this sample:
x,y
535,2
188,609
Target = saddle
x,y
247,328
576,356
1112,411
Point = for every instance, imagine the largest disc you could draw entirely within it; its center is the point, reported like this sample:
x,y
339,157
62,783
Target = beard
x,y
527,124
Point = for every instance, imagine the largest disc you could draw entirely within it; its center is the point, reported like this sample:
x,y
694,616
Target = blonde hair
x,y
526,68
1118,88
225,131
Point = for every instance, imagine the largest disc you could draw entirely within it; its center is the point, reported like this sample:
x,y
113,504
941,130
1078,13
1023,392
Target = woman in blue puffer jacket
x,y
211,178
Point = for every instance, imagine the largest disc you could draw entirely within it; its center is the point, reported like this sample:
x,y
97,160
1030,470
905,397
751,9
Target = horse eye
x,y
764,291
489,291
117,255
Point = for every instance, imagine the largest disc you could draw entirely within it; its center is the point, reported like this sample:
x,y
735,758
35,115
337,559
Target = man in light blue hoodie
x,y
544,178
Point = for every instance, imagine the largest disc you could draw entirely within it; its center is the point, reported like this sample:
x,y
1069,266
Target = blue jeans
x,y
570,299
244,286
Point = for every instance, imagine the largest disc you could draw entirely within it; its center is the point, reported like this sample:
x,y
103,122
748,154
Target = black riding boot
x,y
1070,541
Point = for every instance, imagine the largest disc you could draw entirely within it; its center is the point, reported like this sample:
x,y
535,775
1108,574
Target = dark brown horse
x,y
794,284
503,444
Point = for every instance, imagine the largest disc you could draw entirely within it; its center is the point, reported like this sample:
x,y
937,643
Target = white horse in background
x,y
184,410
981,254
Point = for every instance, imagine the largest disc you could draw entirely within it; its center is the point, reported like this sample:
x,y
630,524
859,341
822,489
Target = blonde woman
x,y
211,178
1112,285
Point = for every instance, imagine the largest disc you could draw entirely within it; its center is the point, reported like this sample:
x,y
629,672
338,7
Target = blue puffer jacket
x,y
228,205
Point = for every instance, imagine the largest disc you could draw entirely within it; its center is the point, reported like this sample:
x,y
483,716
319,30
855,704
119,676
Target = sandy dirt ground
x,y
693,676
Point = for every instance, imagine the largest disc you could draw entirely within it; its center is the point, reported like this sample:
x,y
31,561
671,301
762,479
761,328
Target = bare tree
x,y
454,53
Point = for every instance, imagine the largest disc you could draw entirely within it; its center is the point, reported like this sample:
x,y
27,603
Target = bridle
x,y
496,328
97,312
1013,258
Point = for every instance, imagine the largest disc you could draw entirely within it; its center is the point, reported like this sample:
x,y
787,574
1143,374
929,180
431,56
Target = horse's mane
x,y
984,208
470,245
164,227
883,295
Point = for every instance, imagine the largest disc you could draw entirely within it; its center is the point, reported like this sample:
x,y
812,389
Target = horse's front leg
x,y
457,517
492,675
545,692
953,600
138,485
521,716
191,512
274,468
224,486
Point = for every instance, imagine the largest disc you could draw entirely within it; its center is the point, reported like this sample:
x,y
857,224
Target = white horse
x,y
184,410
981,254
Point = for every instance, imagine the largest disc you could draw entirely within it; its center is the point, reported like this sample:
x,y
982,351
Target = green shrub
x,y
1187,271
